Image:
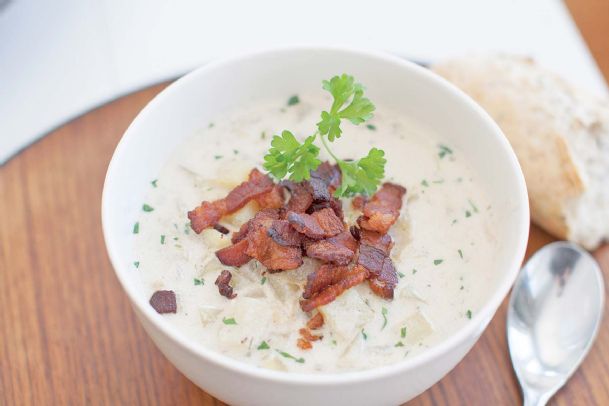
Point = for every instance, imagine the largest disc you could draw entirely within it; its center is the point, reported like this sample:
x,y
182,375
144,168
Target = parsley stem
x,y
323,141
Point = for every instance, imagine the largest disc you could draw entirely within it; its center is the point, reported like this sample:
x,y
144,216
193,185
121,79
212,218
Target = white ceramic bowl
x,y
194,100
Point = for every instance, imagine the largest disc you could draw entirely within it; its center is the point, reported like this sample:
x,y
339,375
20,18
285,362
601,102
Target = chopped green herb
x,y
443,151
210,125
162,239
364,335
400,274
414,271
263,135
290,356
371,127
235,151
263,346
293,100
229,322
460,253
438,181
399,344
437,261
403,332
424,183
136,228
469,314
175,238
187,228
474,208
462,287
199,281
334,342
217,157
153,183
454,221
147,208
468,213
459,180
136,264
263,280
384,314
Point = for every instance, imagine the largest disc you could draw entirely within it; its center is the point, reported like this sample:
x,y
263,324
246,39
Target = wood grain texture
x,y
67,333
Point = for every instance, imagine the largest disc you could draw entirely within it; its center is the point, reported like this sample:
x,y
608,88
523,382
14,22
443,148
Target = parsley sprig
x,y
290,157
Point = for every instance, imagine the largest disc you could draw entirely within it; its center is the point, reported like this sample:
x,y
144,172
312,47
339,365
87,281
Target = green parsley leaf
x,y
403,332
147,208
287,155
136,264
153,183
384,314
473,206
371,127
362,176
364,335
460,253
290,356
399,344
136,228
401,275
424,183
263,346
162,239
437,261
263,280
469,314
344,90
229,322
293,100
216,157
198,281
414,271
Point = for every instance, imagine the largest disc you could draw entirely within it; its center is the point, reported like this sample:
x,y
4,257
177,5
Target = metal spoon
x,y
554,314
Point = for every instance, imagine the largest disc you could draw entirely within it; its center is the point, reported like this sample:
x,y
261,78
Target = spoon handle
x,y
532,397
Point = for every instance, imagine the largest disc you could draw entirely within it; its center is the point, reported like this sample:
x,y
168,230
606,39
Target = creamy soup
x,y
444,244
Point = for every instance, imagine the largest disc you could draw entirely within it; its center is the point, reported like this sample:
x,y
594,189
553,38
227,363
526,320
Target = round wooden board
x,y
68,335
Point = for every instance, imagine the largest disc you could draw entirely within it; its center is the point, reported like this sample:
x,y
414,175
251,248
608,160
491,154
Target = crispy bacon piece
x,y
209,213
334,203
319,190
234,255
260,245
164,301
242,233
358,202
329,174
304,344
221,229
300,196
222,282
283,234
315,322
307,335
347,278
374,256
383,209
321,224
273,199
339,249
323,277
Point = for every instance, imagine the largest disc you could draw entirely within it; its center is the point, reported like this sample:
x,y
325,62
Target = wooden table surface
x,y
68,334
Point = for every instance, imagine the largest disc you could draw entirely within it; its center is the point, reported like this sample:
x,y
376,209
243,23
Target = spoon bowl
x,y
554,315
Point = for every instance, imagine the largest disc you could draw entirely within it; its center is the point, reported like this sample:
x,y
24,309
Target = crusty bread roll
x,y
560,135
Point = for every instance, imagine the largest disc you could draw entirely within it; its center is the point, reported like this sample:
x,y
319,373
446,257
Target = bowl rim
x,y
481,318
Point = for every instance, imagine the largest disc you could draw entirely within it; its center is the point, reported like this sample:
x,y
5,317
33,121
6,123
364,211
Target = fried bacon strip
x,y
339,249
307,335
315,322
321,224
329,174
300,196
222,282
383,209
284,234
209,213
260,245
344,279
373,255
273,199
234,255
304,344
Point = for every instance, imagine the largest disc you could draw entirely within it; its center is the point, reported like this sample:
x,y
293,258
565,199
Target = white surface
x,y
193,101
60,58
